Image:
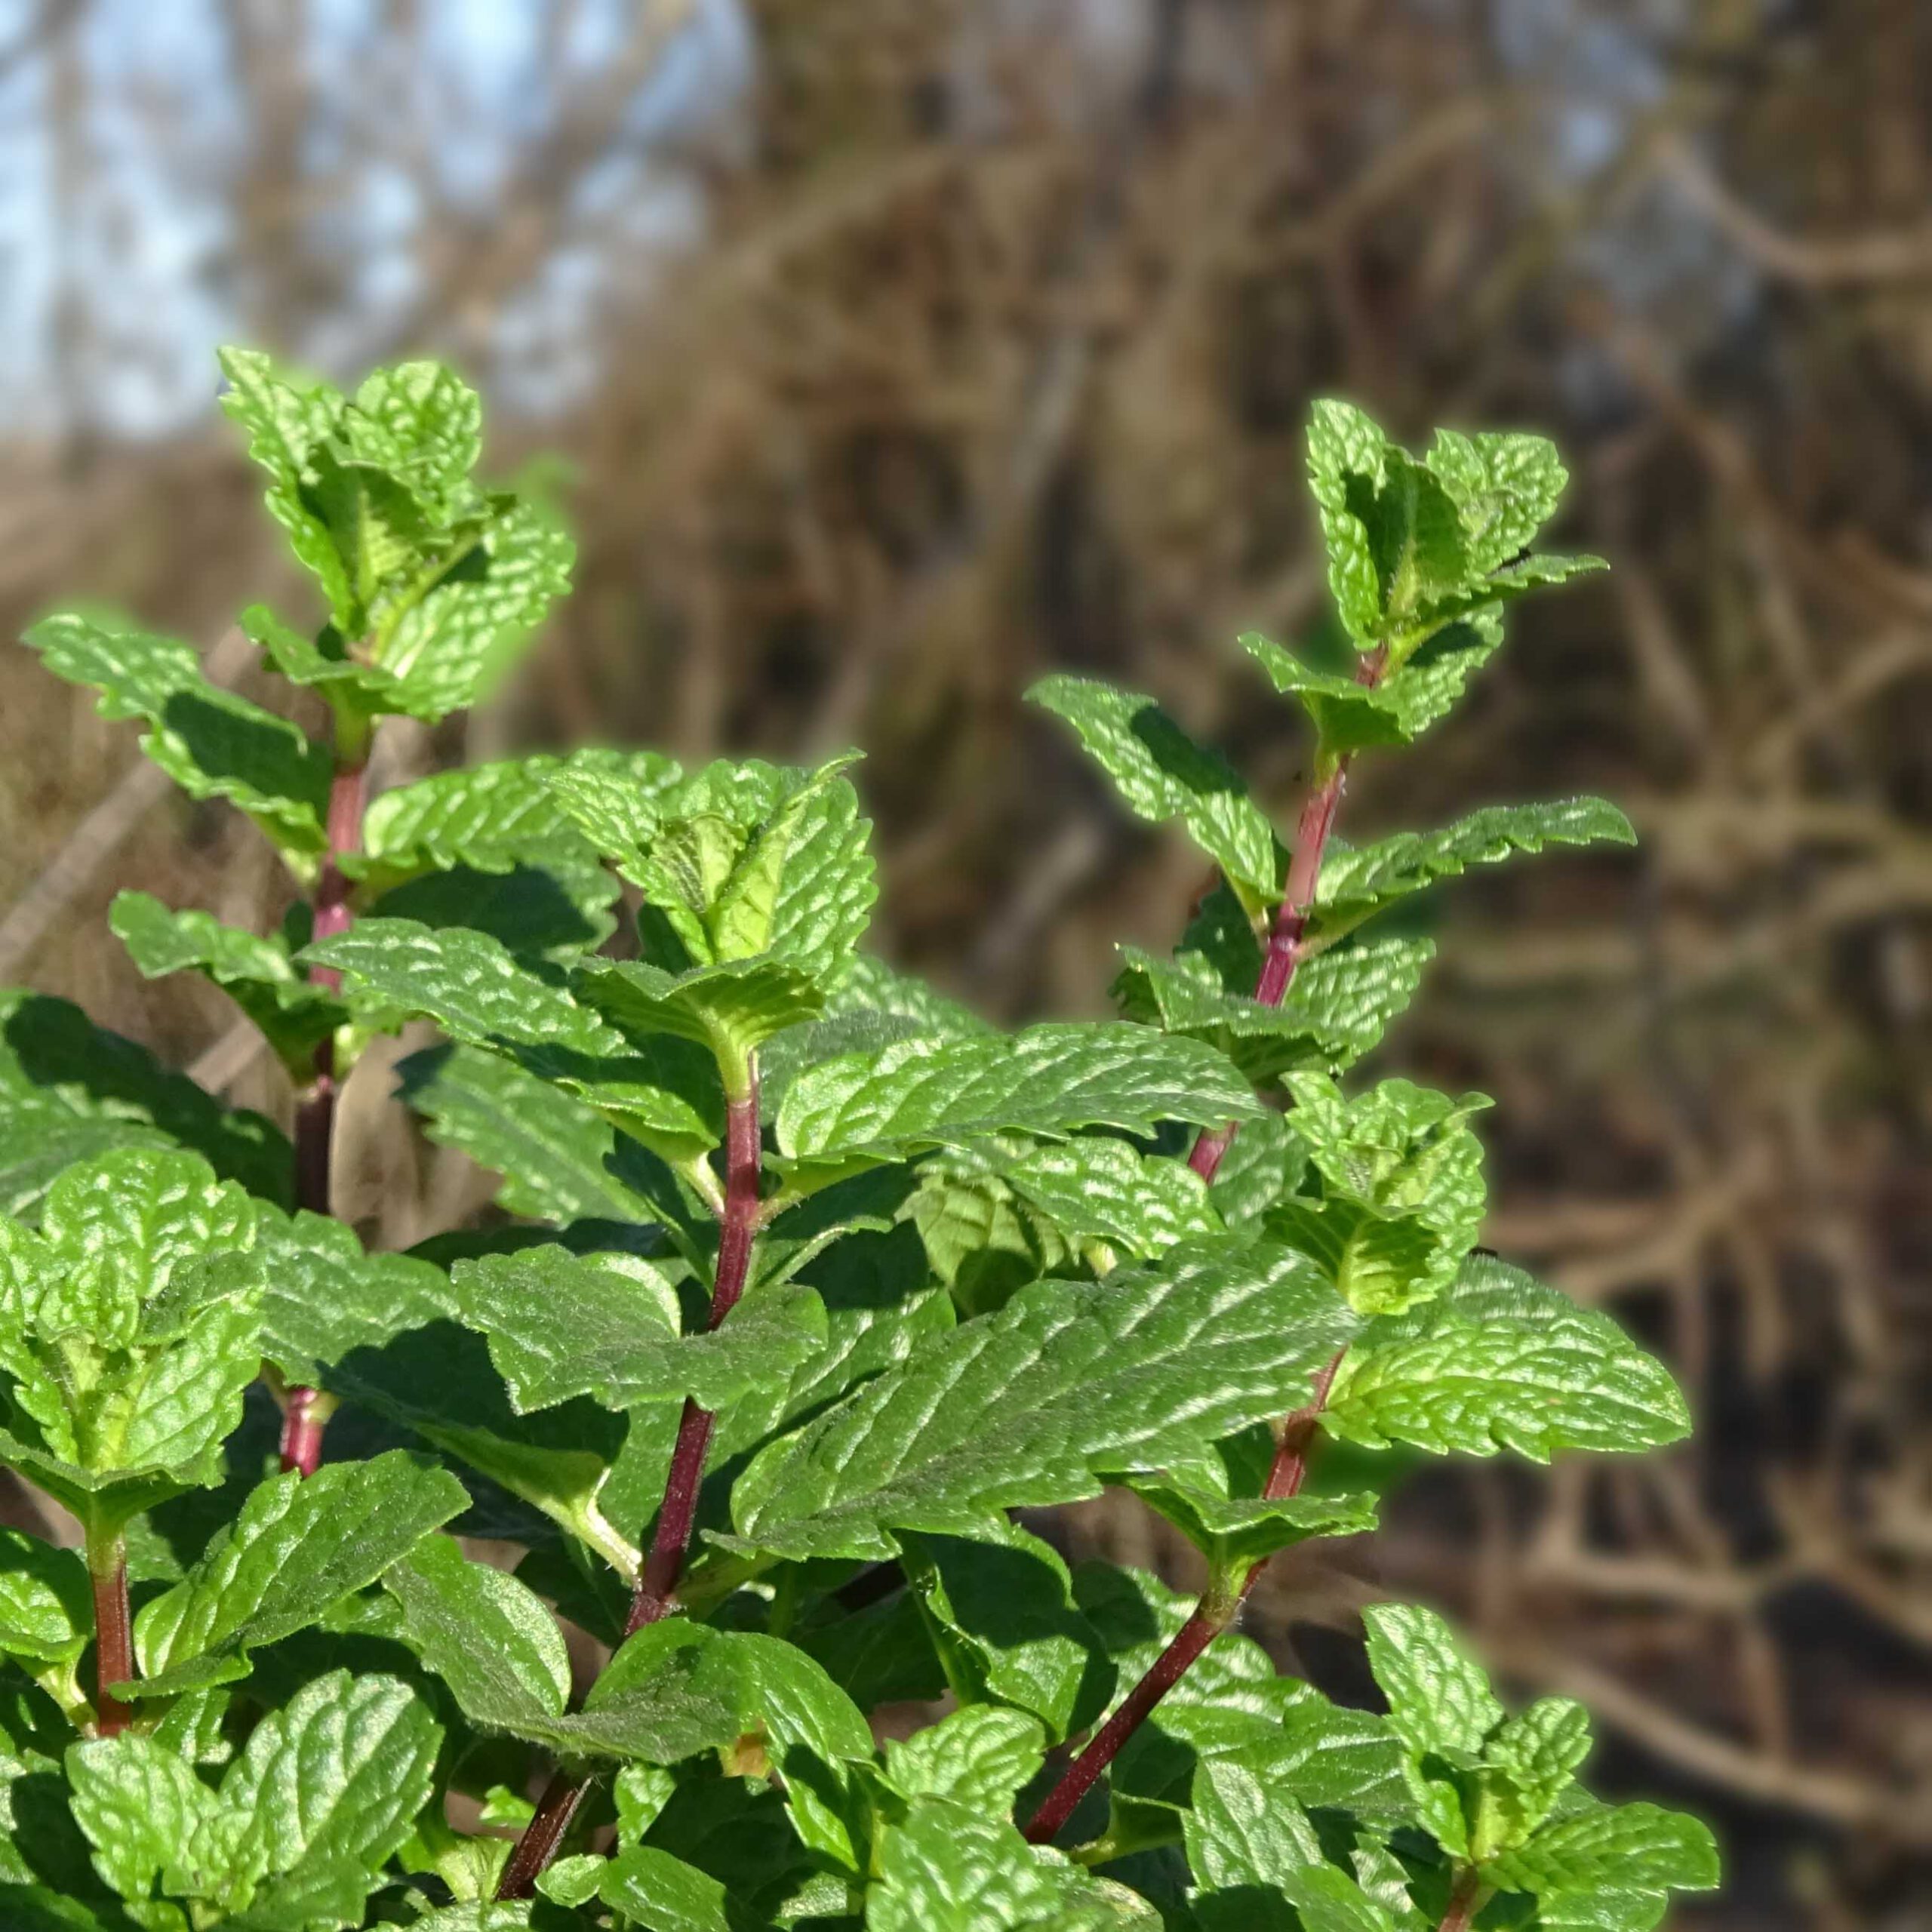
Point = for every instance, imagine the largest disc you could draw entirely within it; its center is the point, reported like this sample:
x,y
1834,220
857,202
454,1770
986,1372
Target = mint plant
x,y
806,1282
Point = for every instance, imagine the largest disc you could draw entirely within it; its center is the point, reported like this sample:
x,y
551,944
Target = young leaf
x,y
495,1646
730,1010
982,1757
1638,1847
213,744
70,1091
1161,774
1534,1756
1048,1080
1359,881
294,1017
1024,1406
297,1549
1402,1194
560,1325
141,1807
1499,1363
127,1350
1506,486
46,1604
1243,1841
1439,1700
1096,1189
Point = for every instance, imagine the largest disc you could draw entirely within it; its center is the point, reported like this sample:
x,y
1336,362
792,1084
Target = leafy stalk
x,y
1464,1903
306,1411
113,1628
1284,942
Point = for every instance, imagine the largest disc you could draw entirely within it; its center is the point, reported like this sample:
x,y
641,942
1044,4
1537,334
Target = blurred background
x,y
895,351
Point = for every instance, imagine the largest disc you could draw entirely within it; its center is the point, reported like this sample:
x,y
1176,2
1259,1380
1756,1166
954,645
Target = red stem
x,y
1284,942
657,1591
1168,1669
1462,1904
542,1835
113,1633
314,1106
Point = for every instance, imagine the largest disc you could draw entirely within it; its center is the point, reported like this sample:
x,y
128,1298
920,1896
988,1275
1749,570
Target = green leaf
x,y
1463,1376
1635,1847
480,995
808,1729
295,1550
1099,1189
1337,1011
1439,1700
1402,1196
999,1611
1021,1407
560,1325
1326,1755
1329,1900
70,1091
213,744
982,1757
46,1600
1506,486
330,1784
1046,1080
1345,446
1530,1761
294,1017
1161,774
1359,881
1419,692
323,1296
1243,1529
496,1647
948,1869
731,1009
127,1351
561,1160
1243,1842
655,1890
141,1807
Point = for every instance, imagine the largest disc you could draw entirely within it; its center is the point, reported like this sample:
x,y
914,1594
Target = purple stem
x,y
542,1835
314,1106
113,1636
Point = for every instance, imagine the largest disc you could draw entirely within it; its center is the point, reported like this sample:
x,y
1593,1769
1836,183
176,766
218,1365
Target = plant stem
x,y
113,1631
1285,942
314,1106
1289,1468
657,1591
543,1834
656,1594
1462,1903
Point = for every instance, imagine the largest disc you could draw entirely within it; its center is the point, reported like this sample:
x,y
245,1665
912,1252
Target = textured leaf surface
x,y
1234,1530
140,1807
1161,774
729,1010
1358,881
46,1600
1046,1080
982,1757
213,744
496,1647
1462,1377
331,1785
1021,1408
1096,1189
1439,1700
949,1869
294,1015
1243,1841
70,1090
1637,1846
560,1325
297,1548
481,996
651,1887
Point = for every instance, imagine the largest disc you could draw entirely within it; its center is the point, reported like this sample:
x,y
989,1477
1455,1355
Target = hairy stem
x,y
542,1835
657,1591
113,1631
314,1106
1289,1468
1284,942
